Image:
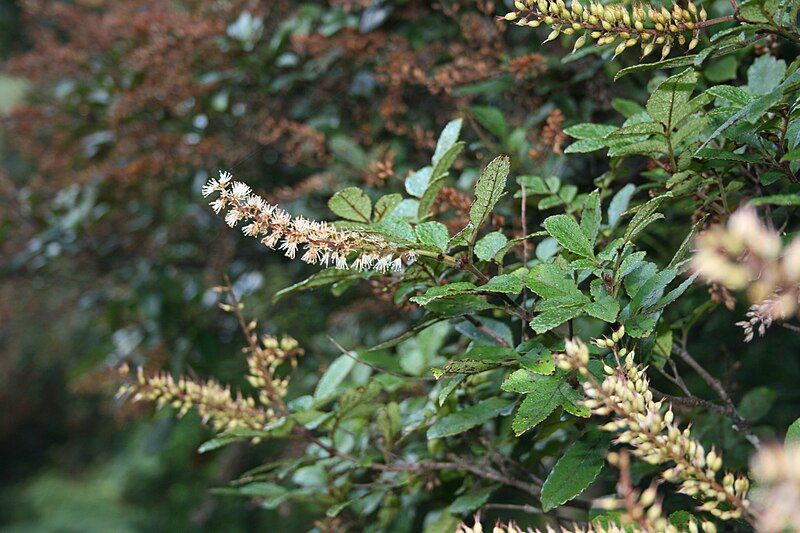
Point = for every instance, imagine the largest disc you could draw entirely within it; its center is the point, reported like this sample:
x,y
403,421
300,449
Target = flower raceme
x,y
320,242
654,437
645,25
216,403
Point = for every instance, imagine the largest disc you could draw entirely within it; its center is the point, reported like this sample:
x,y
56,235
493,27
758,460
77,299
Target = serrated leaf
x,y
552,318
442,291
777,199
396,229
447,139
489,245
566,231
489,188
591,215
548,280
504,283
675,62
649,147
668,103
765,74
467,418
643,216
734,95
575,470
466,503
417,183
351,204
605,308
385,205
590,131
433,234
543,396
652,290
584,146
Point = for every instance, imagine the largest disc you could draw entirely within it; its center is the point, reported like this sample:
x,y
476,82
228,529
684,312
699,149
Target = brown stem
x,y
717,387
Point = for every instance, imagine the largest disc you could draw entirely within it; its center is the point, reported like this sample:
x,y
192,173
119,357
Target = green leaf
x,y
396,229
440,171
584,146
273,495
734,95
417,183
566,231
385,205
442,291
793,434
323,278
757,403
433,234
590,216
722,70
649,147
576,469
668,103
466,503
447,139
590,131
548,280
492,119
333,377
605,308
777,199
489,188
467,418
349,152
649,293
504,283
489,245
675,62
351,204
552,318
765,74
619,204
543,396
643,216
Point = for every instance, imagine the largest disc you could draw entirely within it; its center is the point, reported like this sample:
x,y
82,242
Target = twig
x,y
716,386
512,507
349,353
478,324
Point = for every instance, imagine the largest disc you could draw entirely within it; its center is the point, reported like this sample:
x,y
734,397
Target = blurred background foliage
x,y
114,114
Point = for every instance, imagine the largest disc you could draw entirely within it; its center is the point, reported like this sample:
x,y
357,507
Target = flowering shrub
x,y
526,310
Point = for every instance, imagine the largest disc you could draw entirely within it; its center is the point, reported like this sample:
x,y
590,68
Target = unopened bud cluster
x,y
320,242
746,254
654,437
641,510
217,404
644,25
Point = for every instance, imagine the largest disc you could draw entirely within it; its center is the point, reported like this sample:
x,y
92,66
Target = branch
x,y
731,411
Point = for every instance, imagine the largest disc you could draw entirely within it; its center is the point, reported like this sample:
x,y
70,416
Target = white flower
x,y
224,178
210,187
240,190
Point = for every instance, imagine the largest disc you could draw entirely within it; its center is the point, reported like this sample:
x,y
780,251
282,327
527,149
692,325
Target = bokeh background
x,y
113,115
